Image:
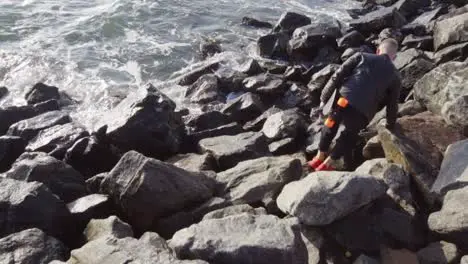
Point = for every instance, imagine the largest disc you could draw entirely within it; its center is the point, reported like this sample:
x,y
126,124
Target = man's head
x,y
388,46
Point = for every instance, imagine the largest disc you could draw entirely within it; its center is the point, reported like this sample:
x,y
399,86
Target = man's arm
x,y
392,102
337,79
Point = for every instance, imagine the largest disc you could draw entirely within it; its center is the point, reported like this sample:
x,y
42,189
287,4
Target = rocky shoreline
x,y
159,184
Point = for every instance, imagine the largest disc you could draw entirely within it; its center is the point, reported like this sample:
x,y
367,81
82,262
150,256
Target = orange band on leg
x,y
342,102
329,122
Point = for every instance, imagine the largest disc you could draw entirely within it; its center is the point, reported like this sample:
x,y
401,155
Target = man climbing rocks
x,y
363,84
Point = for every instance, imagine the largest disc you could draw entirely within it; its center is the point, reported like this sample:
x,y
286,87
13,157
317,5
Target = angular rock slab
x,y
31,246
244,108
247,239
438,252
29,128
111,226
288,123
375,21
193,162
41,92
146,189
324,197
10,149
452,30
234,210
89,207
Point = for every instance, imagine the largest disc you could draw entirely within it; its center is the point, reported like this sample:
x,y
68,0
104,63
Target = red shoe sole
x,y
314,163
324,167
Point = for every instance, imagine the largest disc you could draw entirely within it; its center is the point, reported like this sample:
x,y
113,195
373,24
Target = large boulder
x,y
288,123
450,31
457,52
265,84
13,114
57,139
193,162
146,189
230,150
196,72
145,121
41,92
150,248
258,181
244,108
454,171
406,57
204,90
375,21
324,197
29,128
205,120
409,8
94,206
31,246
31,205
257,123
192,138
353,39
451,221
10,149
289,21
444,91
299,96
252,22
247,239
273,46
419,42
320,78
411,73
60,178
110,226
439,253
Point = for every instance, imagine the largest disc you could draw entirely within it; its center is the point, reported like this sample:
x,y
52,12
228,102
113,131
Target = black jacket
x,y
367,81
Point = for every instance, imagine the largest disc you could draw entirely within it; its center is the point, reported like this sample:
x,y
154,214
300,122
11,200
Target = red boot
x,y
325,167
315,163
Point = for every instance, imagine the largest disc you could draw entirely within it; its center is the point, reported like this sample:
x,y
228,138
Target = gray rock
x,y
41,92
265,84
257,123
13,114
234,210
438,253
283,146
204,90
412,72
299,96
230,150
259,180
112,226
205,121
288,123
23,210
409,8
393,33
145,121
353,39
450,222
273,46
373,149
289,21
10,149
450,31
320,79
404,58
323,197
146,189
31,246
410,108
90,207
29,128
252,22
251,67
230,129
294,73
444,91
150,248
375,21
193,162
457,52
244,108
57,139
93,184
247,239
198,71
60,178
426,17
419,42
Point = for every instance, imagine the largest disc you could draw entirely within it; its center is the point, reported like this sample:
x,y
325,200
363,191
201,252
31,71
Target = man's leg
x,y
328,133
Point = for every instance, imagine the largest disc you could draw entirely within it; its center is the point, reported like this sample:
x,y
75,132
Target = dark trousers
x,y
353,122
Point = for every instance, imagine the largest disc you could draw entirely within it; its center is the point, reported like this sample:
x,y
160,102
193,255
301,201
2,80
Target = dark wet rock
x,y
257,123
258,181
327,55
146,122
425,18
454,170
3,91
273,46
148,249
193,162
320,79
206,120
419,42
92,155
41,92
299,96
146,189
451,31
60,178
409,8
353,39
10,149
209,47
234,210
252,22
57,139
305,198
93,184
450,222
204,90
438,253
13,114
404,58
29,128
373,149
363,259
111,226
230,150
265,84
31,246
21,210
289,21
294,74
244,108
192,76
231,81
230,129
390,33
274,67
377,20
283,146
444,91
412,72
248,239
288,123
94,206
166,227
457,52
251,67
